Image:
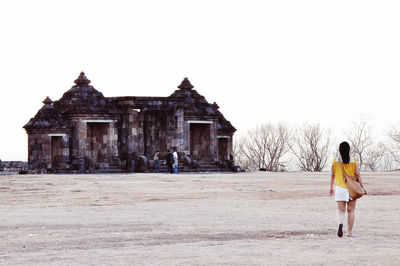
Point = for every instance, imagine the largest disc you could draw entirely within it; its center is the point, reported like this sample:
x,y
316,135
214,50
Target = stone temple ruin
x,y
86,132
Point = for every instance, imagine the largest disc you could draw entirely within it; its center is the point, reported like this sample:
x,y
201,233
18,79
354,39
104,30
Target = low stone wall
x,y
12,167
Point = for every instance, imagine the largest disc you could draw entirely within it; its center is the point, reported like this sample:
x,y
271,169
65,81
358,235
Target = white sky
x,y
261,61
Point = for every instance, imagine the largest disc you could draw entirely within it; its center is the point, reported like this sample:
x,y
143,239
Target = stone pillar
x,y
186,137
65,151
179,140
79,144
213,141
112,141
134,132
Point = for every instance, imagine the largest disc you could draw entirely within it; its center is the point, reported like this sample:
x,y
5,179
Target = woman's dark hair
x,y
344,149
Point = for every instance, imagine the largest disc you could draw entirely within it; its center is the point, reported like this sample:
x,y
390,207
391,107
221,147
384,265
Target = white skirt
x,y
342,194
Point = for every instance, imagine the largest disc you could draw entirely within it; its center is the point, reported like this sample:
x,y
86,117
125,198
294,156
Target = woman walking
x,y
342,196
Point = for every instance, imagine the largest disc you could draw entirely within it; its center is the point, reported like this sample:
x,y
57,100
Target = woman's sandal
x,y
340,230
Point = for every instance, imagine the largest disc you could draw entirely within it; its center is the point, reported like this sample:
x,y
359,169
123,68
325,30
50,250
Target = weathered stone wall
x,y
39,150
155,131
178,131
130,134
186,138
78,143
230,147
102,142
112,142
163,130
94,139
213,141
48,150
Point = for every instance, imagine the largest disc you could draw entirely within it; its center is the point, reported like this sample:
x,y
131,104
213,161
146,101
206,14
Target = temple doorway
x,y
97,136
56,152
222,149
200,142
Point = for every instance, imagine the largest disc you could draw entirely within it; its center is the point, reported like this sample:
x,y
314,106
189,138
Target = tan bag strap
x,y
344,173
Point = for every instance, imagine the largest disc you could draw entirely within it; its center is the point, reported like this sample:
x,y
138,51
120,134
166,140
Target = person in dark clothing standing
x,y
169,160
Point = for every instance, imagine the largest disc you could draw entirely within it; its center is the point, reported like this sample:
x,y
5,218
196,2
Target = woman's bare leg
x,y
351,207
341,213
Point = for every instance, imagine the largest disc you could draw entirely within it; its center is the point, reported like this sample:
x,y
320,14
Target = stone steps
x,y
114,169
203,167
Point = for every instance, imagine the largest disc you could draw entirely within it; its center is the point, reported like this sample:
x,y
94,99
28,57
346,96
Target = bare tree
x,y
388,161
264,147
238,155
394,138
374,157
311,147
360,137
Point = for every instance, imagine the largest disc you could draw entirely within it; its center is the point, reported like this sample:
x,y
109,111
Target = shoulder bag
x,y
354,188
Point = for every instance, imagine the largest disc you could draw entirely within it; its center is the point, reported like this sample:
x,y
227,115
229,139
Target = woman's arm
x,y
332,181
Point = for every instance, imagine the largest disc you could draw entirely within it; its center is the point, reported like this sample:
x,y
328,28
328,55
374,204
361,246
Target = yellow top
x,y
349,168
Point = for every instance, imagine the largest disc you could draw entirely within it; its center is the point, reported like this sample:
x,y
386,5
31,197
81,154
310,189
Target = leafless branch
x,y
264,147
360,137
311,147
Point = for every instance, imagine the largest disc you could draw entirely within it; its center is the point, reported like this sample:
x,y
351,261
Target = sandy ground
x,y
193,219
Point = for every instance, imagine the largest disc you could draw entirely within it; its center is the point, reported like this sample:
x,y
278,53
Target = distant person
x,y
175,165
169,160
342,196
157,160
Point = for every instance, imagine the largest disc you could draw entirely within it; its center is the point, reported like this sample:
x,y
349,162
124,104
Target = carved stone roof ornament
x,y
47,118
195,105
82,80
83,98
185,85
47,100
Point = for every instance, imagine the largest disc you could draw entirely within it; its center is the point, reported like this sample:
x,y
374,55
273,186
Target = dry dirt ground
x,y
193,219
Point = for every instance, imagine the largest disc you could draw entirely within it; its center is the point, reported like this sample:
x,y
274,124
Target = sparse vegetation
x,y
309,148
